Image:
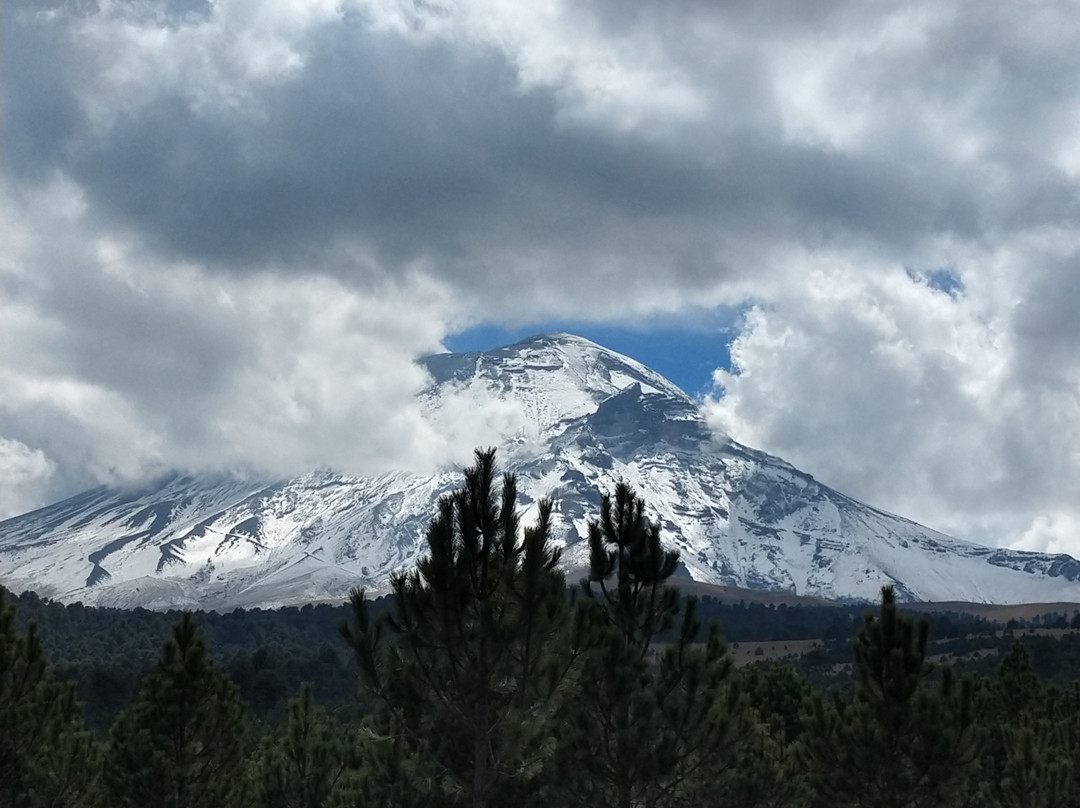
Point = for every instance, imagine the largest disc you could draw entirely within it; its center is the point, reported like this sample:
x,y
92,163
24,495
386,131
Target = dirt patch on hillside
x,y
745,653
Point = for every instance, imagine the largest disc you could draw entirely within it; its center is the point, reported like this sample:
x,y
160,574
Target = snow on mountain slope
x,y
578,418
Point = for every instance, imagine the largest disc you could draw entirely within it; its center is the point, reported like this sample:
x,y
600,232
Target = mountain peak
x,y
558,338
554,377
591,418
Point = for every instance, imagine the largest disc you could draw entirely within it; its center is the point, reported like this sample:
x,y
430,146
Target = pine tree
x,y
625,545
303,764
1017,690
900,743
1037,770
1025,760
473,656
643,727
182,745
391,771
769,770
1065,707
47,758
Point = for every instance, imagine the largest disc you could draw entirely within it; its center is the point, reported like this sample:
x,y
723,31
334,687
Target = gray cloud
x,y
235,224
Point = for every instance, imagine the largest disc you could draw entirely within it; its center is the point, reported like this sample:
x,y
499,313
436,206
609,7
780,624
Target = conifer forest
x,y
486,679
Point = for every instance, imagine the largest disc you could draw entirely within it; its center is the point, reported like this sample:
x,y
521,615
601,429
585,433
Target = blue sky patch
x,y
946,280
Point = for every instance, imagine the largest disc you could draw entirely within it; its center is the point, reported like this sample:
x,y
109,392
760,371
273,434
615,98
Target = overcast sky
x,y
227,228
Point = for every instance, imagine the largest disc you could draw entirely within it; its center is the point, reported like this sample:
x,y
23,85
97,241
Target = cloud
x,y
116,364
946,408
25,471
230,227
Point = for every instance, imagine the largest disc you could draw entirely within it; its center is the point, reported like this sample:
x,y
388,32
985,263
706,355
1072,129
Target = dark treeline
x,y
486,681
270,653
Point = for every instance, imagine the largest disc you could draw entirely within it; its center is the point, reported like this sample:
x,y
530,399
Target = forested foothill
x,y
487,679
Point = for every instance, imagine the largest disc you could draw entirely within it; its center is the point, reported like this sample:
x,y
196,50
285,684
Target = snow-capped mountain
x,y
582,418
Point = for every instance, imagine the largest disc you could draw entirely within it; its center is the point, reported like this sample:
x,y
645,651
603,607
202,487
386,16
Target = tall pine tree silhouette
x,y
903,742
182,744
303,764
473,656
645,725
1025,760
47,758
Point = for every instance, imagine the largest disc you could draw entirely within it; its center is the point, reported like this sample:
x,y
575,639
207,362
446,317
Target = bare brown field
x,y
745,653
748,652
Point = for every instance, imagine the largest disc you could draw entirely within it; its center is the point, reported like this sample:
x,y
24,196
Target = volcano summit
x,y
583,418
